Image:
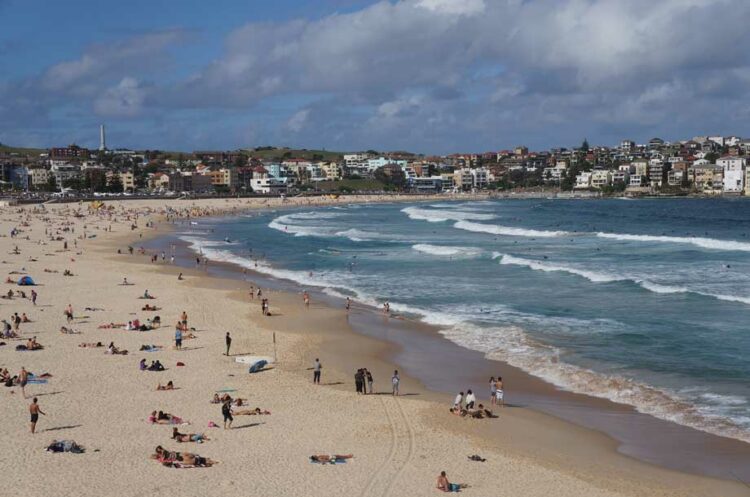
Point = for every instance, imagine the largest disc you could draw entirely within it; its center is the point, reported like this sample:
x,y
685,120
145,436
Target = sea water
x,y
643,302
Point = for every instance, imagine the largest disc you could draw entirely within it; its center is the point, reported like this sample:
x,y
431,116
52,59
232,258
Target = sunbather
x,y
325,459
90,345
168,386
164,418
188,437
251,412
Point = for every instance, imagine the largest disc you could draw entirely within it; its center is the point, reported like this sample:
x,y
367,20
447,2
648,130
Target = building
x,y
15,175
462,179
180,181
262,182
583,181
480,178
734,173
102,140
601,178
433,184
332,170
66,154
225,178
64,173
39,177
707,178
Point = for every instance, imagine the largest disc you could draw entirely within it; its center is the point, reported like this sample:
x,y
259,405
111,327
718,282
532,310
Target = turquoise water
x,y
641,302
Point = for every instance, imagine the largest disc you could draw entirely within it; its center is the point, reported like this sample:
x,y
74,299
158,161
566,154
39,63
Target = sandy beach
x,y
103,401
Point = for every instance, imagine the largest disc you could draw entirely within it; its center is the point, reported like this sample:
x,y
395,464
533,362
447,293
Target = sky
x,y
427,76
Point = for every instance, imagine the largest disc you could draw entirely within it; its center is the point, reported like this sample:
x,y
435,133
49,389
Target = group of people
x,y
363,381
154,366
467,406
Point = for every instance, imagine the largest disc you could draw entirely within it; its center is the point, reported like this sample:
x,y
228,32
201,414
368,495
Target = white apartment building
x,y
583,180
734,175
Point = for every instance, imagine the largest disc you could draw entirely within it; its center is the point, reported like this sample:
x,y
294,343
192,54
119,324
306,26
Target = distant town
x,y
702,165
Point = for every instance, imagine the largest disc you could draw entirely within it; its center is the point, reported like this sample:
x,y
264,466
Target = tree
x,y
115,184
51,185
585,145
711,157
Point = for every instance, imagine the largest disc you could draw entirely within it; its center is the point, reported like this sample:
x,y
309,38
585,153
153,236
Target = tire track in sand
x,y
401,450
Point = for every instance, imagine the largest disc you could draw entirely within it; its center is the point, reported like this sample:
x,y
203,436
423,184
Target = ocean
x,y
642,302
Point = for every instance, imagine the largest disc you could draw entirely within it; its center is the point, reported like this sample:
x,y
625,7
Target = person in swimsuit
x,y
23,379
35,411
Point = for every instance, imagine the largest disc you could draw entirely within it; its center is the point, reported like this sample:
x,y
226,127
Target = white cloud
x,y
126,99
298,121
454,7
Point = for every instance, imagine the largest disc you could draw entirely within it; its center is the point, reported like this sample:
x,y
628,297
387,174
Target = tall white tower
x,y
102,141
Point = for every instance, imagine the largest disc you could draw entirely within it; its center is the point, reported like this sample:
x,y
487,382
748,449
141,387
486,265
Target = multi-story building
x,y
332,170
180,181
583,181
734,173
39,177
600,178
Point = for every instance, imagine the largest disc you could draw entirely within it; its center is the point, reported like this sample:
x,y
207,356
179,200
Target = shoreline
x,y
631,434
399,443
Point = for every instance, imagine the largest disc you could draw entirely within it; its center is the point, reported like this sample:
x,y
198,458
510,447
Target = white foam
x,y
494,229
593,276
707,243
441,215
447,251
512,345
600,277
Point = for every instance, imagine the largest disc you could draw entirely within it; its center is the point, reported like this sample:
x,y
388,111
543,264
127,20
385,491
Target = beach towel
x,y
226,390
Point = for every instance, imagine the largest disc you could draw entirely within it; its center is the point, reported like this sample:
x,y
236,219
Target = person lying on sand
x,y
50,270
149,348
168,386
148,307
68,331
111,349
164,418
252,412
90,345
188,437
180,459
107,326
68,272
325,459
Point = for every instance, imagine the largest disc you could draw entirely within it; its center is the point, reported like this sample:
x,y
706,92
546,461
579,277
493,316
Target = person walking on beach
x,y
23,379
35,411
226,412
228,341
316,371
499,393
178,338
306,298
69,313
33,297
348,304
358,381
493,391
368,375
395,381
183,319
